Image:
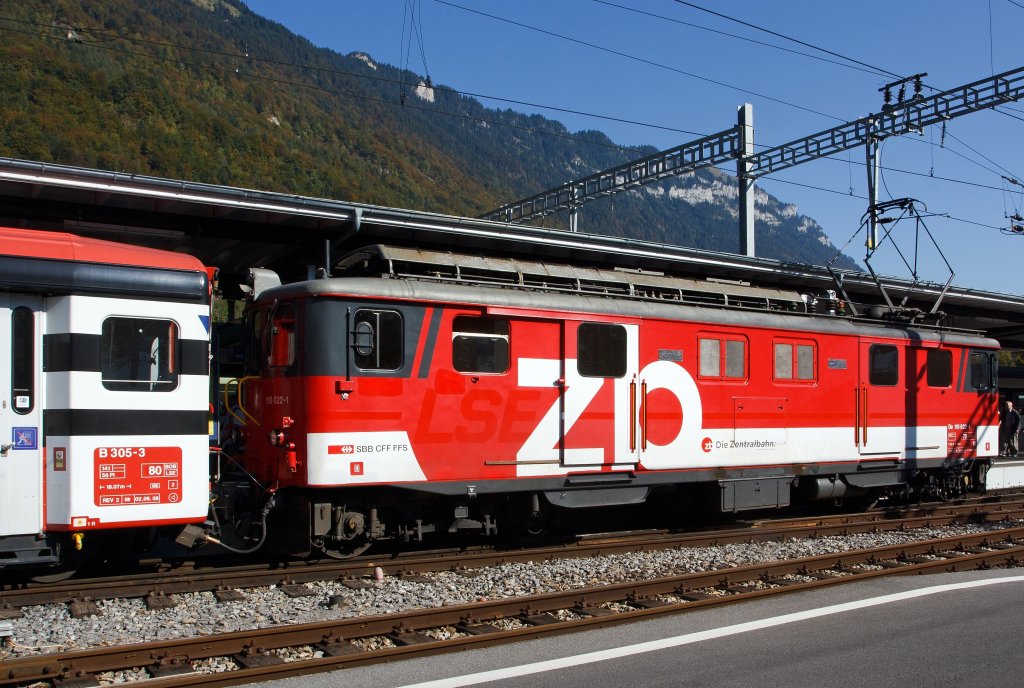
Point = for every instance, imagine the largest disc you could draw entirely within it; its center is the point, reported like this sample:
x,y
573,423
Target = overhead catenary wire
x,y
746,39
642,60
628,150
874,69
403,83
838,192
106,37
852,60
878,70
351,94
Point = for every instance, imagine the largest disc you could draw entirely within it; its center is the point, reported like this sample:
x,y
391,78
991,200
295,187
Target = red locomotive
x,y
419,392
431,391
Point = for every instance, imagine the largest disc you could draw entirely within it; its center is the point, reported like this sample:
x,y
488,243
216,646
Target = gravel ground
x,y
50,628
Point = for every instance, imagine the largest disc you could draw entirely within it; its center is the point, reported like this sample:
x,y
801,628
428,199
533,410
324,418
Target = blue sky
x,y
644,60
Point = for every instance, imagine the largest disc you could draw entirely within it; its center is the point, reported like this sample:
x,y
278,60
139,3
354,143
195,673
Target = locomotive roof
x,y
236,229
785,313
399,261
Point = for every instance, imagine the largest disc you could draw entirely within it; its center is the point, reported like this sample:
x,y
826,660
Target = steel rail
x,y
162,584
250,649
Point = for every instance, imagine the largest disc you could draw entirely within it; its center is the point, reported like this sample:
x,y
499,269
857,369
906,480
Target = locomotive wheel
x,y
345,550
537,523
527,518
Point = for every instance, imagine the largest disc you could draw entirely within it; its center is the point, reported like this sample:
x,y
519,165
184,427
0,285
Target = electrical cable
x,y
367,77
403,84
878,70
739,37
105,34
843,193
351,94
651,63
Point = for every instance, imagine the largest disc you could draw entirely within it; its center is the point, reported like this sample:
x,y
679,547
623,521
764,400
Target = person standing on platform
x,y
1009,425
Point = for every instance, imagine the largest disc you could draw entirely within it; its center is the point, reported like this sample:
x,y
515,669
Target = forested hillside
x,y
207,91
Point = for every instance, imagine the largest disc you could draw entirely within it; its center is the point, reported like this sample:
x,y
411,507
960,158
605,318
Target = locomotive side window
x,y
718,355
139,355
794,361
601,350
281,349
480,344
23,337
983,371
254,340
883,365
939,366
377,339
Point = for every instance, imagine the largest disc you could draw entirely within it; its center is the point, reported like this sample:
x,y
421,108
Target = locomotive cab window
x,y
281,335
601,350
23,338
983,370
939,366
883,365
254,327
795,362
722,358
377,338
139,354
480,345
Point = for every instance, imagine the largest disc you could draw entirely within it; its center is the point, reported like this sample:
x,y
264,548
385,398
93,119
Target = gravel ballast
x,y
50,628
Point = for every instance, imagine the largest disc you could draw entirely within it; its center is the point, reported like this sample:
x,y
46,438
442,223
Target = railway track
x,y
156,588
260,654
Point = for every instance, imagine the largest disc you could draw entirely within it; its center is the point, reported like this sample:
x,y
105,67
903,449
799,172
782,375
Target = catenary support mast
x,y
904,117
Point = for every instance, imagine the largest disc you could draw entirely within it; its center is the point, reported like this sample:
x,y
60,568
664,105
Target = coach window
x,y
794,362
480,345
23,338
939,366
601,350
722,358
139,354
377,338
883,365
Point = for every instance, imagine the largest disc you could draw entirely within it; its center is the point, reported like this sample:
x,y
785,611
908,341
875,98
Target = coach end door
x,y
21,464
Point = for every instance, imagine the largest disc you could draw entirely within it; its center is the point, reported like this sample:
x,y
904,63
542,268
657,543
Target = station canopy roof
x,y
235,229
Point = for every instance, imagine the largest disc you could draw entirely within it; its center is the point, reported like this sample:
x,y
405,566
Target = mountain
x,y
208,91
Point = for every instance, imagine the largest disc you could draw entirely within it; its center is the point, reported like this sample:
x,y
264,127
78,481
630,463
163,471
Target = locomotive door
x,y
880,400
600,404
21,463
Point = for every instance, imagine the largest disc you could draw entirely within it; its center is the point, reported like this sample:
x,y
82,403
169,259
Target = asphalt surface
x,y
900,631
